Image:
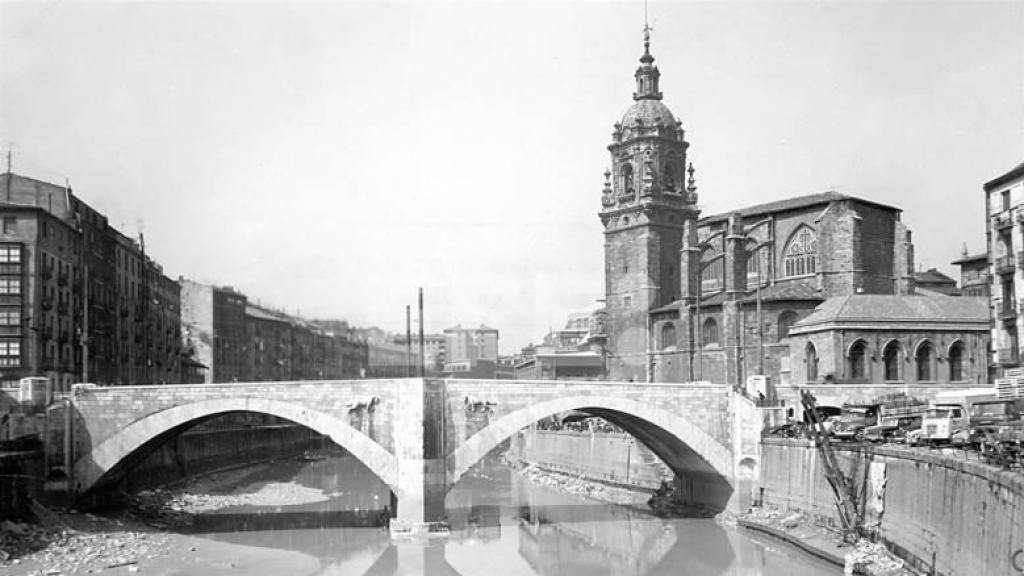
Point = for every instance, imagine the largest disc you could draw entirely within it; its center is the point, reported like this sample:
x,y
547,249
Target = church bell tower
x,y
646,207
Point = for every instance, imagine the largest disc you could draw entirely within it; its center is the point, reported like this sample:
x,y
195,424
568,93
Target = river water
x,y
502,525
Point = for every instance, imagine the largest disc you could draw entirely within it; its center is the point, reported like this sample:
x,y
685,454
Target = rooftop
x,y
794,203
967,259
1016,172
889,309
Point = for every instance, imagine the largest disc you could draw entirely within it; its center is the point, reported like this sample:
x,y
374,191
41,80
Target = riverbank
x,y
143,534
863,558
59,543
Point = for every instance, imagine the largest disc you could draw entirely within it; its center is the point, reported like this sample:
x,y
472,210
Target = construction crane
x,y
842,489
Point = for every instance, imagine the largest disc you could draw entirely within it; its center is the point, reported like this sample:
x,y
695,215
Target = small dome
x,y
650,112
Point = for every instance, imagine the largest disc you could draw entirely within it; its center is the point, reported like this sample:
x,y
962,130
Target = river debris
x,y
57,543
863,557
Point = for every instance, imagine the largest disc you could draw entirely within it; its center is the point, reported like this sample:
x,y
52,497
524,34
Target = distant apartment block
x,y
471,345
1004,209
240,341
434,346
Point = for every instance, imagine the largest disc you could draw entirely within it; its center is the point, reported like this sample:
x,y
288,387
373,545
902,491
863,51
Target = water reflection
x,y
503,525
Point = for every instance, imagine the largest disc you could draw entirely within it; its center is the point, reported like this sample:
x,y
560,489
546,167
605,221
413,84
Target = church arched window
x,y
811,358
786,321
801,253
710,332
956,362
925,359
857,360
627,178
891,359
668,335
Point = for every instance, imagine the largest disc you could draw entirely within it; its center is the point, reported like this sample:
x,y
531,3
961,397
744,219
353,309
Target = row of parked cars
x,y
973,419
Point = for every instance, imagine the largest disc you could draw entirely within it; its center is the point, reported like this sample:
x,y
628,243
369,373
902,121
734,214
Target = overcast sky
x,y
329,158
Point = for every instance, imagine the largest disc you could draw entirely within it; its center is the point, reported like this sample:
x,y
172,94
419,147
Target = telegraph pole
x,y
421,371
408,341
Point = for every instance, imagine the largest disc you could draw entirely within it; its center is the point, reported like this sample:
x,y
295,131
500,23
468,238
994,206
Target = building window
x,y
10,285
891,359
925,357
858,364
668,335
10,316
10,352
753,264
10,254
10,224
786,321
1006,199
811,358
627,301
710,332
956,362
801,253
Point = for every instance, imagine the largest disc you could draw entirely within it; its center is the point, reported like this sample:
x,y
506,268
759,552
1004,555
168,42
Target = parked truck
x,y
950,415
997,429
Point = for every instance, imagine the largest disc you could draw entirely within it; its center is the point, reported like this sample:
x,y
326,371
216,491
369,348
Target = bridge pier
x,y
419,450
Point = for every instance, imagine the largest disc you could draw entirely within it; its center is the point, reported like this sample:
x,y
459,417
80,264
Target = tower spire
x,y
647,32
647,74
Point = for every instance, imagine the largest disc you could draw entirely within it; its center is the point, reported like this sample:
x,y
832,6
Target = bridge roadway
x,y
421,435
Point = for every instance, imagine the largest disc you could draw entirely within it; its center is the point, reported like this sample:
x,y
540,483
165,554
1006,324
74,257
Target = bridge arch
x,y
94,466
681,444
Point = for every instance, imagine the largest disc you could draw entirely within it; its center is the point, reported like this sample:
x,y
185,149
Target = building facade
x,y
239,341
1004,210
975,278
80,300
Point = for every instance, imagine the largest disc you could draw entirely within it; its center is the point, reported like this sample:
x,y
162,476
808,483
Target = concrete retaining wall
x,y
946,515
198,452
613,458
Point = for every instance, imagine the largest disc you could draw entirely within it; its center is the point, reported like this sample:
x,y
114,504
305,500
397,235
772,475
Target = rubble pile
x,y
575,485
77,544
864,557
872,558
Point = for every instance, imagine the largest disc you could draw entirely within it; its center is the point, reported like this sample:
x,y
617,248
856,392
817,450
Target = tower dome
x,y
648,113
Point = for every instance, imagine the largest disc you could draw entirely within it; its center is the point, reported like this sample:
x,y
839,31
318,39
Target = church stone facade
x,y
714,298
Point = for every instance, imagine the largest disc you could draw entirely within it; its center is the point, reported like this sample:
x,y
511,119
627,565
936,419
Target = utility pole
x,y
85,321
421,371
408,341
9,174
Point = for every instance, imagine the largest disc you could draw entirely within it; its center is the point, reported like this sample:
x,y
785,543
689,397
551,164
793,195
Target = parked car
x,y
892,429
851,424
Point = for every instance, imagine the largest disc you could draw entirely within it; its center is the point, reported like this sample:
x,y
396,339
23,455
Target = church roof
x,y
794,203
781,292
878,311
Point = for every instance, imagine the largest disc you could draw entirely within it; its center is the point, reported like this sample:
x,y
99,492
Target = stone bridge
x,y
421,435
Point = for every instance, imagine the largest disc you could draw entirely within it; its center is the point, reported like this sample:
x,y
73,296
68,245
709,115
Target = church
x,y
810,289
